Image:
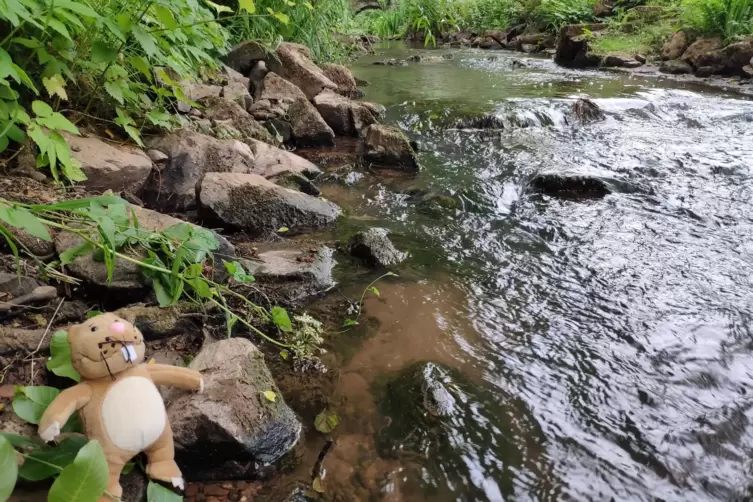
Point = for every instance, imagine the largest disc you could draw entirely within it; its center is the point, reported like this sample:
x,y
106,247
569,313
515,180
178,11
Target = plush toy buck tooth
x,y
118,400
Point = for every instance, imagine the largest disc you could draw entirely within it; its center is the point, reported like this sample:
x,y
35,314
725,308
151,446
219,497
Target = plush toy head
x,y
105,345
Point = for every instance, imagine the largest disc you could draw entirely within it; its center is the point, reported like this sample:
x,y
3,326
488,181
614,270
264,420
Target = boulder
x,y
675,46
738,55
190,155
374,248
234,77
293,275
276,88
250,202
234,426
344,116
271,162
244,55
108,167
375,108
617,61
586,110
573,50
707,71
256,79
237,92
229,113
298,68
309,128
698,48
675,67
569,185
342,77
489,43
387,146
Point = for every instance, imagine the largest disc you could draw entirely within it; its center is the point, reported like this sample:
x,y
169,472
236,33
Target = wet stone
x,y
374,248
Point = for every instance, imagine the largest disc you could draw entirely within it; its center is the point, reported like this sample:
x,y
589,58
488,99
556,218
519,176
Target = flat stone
x,y
387,146
251,203
14,286
270,161
298,68
108,167
344,116
231,422
190,155
675,67
374,248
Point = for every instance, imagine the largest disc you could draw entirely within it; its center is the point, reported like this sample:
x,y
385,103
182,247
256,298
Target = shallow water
x,y
610,341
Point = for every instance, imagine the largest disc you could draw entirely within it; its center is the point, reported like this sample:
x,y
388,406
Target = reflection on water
x,y
602,349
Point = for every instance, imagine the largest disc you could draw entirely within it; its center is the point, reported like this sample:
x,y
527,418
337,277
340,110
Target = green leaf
x,y
145,40
164,298
30,43
20,217
59,27
29,403
4,142
115,28
6,64
326,421
193,271
247,5
114,90
349,322
282,230
201,287
16,134
134,134
70,254
270,396
93,313
281,319
41,109
71,167
85,480
8,469
60,360
283,18
374,290
158,493
55,85
219,8
166,17
77,7
36,467
142,66
285,354
237,271
58,122
20,441
102,52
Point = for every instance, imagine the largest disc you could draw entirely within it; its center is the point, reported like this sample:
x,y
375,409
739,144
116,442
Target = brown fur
x,y
94,348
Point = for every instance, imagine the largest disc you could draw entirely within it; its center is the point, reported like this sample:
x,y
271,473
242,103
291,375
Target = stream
x,y
596,349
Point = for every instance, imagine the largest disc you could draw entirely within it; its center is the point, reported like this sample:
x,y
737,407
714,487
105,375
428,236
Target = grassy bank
x,y
634,25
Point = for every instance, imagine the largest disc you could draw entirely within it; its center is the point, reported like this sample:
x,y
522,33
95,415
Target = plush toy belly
x,y
133,413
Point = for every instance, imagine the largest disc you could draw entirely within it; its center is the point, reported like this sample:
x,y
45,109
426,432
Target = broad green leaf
x,y
8,469
31,43
283,18
114,90
280,319
348,323
29,403
60,360
158,493
16,134
145,40
374,290
142,66
20,217
134,134
102,52
236,270
247,5
282,230
21,76
41,109
58,122
93,313
326,421
70,205
219,8
270,396
193,271
55,85
77,7
59,27
4,142
85,480
201,287
71,167
166,17
60,456
115,29
6,64
19,441
284,354
128,468
164,298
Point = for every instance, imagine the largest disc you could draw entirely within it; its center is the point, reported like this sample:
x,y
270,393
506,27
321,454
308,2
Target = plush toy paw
x,y
165,470
50,433
178,483
201,386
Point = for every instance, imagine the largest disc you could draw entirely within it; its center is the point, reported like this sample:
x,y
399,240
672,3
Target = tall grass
x,y
729,19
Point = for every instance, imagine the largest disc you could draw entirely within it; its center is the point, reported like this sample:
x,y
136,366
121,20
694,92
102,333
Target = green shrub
x,y
554,14
729,19
483,15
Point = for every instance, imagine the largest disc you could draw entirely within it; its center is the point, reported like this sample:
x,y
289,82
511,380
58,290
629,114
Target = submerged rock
x,y
344,116
236,429
250,202
108,167
298,68
569,185
482,122
190,155
586,110
387,146
374,248
675,46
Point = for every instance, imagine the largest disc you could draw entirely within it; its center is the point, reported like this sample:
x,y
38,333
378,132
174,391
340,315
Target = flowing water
x,y
599,349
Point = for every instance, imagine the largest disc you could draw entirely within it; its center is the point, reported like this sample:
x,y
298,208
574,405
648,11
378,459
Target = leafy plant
x,y
348,323
729,19
326,421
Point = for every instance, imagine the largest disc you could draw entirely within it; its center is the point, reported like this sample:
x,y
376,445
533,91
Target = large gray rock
x,y
108,167
675,67
699,48
737,56
225,112
387,146
271,162
190,155
308,126
244,55
298,68
276,88
573,50
586,110
231,424
344,116
14,286
237,92
675,46
343,78
250,202
374,248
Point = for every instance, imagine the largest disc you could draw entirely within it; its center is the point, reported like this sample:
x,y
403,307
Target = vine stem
x,y
363,295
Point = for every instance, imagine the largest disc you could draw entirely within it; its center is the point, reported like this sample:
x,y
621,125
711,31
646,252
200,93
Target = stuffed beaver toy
x,y
118,400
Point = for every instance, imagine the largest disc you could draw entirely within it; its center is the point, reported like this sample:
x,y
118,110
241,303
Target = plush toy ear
x,y
73,332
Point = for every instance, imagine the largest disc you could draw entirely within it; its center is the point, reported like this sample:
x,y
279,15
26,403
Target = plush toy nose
x,y
117,327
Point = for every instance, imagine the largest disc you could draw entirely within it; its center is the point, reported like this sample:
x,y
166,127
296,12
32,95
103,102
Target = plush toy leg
x,y
113,486
161,460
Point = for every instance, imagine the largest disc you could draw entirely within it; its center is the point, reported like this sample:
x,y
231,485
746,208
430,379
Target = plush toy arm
x,y
61,409
174,376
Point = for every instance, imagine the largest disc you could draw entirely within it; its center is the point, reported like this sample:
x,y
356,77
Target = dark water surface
x,y
598,349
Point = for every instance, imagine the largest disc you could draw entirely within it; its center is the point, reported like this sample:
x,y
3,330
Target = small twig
x,y
317,470
44,335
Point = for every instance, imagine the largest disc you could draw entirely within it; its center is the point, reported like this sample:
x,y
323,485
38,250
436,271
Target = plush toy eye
x,y
93,329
